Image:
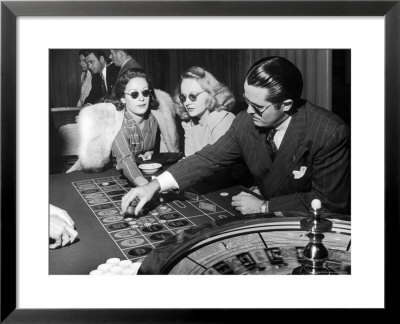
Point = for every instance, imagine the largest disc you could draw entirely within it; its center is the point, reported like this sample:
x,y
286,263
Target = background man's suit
x,y
130,64
98,91
315,139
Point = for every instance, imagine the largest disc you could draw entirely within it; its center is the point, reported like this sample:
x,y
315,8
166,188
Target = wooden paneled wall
x,y
228,66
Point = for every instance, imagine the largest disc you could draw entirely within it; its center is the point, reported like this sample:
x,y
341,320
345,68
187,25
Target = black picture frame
x,y
11,10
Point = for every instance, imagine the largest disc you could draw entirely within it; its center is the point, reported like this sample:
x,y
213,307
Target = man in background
x,y
123,58
104,75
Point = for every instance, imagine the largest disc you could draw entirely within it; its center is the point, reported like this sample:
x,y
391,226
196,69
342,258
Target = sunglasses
x,y
192,96
258,109
135,94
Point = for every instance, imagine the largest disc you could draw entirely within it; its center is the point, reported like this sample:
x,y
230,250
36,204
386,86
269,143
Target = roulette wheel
x,y
264,244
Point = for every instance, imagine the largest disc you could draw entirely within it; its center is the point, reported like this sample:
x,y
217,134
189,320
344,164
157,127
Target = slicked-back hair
x,y
221,98
280,76
96,52
83,52
120,86
126,51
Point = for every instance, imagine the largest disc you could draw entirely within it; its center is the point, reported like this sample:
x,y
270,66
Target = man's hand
x,y
246,203
140,181
144,193
61,227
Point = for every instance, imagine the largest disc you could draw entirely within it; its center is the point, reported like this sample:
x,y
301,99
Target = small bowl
x,y
150,168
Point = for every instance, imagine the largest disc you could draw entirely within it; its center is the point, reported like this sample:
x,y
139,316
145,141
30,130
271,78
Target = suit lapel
x,y
289,153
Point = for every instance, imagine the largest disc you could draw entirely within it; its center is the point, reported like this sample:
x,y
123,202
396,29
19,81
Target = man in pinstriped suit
x,y
296,151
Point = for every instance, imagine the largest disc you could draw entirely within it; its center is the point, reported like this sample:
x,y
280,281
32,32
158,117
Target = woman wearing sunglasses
x,y
203,104
127,124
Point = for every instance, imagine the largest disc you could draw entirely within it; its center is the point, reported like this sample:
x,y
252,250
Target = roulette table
x,y
186,234
93,200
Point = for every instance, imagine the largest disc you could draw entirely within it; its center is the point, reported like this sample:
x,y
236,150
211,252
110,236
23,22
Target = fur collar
x,y
99,124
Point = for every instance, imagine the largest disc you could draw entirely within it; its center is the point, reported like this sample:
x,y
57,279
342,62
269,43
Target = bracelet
x,y
264,206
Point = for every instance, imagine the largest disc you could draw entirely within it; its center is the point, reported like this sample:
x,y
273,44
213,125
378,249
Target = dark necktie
x,y
103,85
272,149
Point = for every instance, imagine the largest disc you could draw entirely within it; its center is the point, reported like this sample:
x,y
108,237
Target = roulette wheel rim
x,y
169,253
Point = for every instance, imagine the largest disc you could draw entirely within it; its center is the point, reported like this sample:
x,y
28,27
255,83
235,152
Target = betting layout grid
x,y
137,237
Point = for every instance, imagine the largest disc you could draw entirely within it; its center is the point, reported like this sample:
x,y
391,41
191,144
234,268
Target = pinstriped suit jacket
x,y
315,138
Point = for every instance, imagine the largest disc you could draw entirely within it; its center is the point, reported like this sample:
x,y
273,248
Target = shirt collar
x,y
125,62
282,127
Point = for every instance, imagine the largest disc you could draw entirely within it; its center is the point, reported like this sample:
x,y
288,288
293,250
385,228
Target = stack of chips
x,y
115,266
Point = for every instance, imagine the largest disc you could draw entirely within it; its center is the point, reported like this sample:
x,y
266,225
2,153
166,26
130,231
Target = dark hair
x,y
280,76
120,86
127,51
221,98
83,52
96,52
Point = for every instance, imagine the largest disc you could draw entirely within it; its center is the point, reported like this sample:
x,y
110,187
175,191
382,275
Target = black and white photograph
x,y
200,162
182,141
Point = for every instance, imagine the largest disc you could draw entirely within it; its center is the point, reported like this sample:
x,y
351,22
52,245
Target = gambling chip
x,y
154,213
116,269
113,261
163,208
224,194
132,269
115,266
125,263
129,271
130,210
104,267
105,184
128,219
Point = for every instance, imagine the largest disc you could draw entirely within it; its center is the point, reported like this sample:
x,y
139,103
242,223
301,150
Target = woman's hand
x,y
146,156
246,203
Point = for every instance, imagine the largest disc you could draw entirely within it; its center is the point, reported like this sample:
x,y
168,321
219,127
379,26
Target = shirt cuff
x,y
167,182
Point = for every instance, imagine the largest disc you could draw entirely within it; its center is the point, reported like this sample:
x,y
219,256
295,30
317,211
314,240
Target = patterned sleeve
x,y
125,159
